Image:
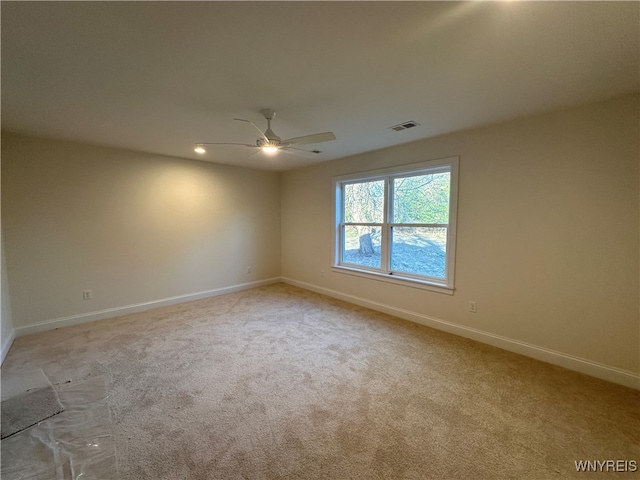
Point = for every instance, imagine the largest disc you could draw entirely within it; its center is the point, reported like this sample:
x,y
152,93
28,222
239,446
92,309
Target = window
x,y
398,224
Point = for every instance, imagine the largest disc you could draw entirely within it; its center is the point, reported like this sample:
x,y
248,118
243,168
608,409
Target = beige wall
x,y
547,231
6,323
131,227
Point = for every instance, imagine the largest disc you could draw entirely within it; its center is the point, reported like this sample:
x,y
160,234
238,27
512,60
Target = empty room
x,y
320,240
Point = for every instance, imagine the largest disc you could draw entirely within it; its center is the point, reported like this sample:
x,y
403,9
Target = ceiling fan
x,y
270,143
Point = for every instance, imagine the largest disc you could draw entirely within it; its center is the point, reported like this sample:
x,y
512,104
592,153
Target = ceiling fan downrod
x,y
270,114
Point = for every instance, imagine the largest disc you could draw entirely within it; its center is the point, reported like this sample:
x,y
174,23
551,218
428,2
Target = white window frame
x,y
445,285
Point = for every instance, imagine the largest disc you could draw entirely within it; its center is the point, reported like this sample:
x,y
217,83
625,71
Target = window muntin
x,y
399,222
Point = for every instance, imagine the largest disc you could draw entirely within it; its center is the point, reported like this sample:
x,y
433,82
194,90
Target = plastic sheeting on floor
x,y
75,444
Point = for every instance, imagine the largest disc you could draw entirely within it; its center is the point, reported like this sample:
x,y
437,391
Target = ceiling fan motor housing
x,y
273,142
271,136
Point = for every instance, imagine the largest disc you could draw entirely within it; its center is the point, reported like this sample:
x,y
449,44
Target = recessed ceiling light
x,y
199,150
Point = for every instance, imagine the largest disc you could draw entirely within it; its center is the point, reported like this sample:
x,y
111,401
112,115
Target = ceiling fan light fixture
x,y
270,149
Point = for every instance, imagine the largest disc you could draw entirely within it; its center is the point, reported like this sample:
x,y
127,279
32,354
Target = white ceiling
x,y
160,76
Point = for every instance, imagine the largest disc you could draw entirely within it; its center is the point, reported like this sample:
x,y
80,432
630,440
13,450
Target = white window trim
x,y
446,286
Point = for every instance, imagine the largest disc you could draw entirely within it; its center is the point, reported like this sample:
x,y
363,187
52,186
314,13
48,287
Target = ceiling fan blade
x,y
226,143
300,151
262,135
307,139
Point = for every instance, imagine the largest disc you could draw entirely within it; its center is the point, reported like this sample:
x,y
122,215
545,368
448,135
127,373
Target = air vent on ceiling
x,y
404,126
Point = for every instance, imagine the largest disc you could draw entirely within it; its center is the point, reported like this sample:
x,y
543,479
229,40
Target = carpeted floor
x,y
281,383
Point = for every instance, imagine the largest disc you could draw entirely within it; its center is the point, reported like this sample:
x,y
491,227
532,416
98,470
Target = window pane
x,y
364,202
421,251
362,245
421,198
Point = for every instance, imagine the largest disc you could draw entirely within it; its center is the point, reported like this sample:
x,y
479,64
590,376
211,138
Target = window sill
x,y
395,279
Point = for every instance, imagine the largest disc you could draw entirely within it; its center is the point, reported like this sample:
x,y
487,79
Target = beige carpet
x,y
281,383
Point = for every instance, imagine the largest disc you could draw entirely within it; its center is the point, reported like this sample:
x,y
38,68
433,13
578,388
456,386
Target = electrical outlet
x,y
248,270
322,273
87,295
473,307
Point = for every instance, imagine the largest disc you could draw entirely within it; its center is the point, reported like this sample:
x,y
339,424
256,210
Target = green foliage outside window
x,y
421,199
416,199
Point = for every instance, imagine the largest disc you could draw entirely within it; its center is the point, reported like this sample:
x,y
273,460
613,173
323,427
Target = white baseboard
x,y
138,307
6,345
582,365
